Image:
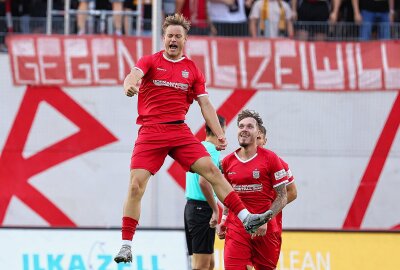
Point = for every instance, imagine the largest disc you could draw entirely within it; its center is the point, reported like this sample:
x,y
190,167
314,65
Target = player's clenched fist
x,y
222,143
131,90
131,82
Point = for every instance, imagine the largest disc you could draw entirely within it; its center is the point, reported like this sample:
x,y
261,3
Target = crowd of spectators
x,y
300,19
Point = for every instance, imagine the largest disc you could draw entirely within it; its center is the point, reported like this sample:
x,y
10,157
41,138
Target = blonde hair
x,y
176,19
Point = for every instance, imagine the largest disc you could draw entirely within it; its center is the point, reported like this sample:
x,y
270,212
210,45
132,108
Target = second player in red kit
x,y
259,178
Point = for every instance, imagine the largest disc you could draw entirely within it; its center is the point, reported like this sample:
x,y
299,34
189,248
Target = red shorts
x,y
157,141
262,252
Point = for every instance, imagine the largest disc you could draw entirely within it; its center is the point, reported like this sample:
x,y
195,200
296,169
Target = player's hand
x,y
214,220
131,87
222,143
261,231
221,230
131,90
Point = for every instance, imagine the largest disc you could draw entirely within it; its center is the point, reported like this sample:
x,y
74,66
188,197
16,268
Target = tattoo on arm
x,y
280,200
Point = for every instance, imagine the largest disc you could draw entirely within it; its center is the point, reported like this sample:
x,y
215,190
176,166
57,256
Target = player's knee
x,y
135,190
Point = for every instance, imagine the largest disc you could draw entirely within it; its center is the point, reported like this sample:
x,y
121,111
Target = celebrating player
x,y
170,83
259,178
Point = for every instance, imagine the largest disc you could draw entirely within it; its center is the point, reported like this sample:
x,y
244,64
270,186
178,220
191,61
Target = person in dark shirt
x,y
368,12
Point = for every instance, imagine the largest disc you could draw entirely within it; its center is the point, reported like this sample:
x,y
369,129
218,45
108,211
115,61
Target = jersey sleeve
x,y
199,85
144,64
288,172
278,172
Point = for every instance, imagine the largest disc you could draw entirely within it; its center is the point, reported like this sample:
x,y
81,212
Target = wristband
x,y
224,217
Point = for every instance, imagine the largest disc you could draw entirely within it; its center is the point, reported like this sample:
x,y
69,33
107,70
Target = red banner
x,y
226,62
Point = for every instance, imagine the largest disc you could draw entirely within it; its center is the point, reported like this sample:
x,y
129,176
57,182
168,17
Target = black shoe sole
x,y
119,260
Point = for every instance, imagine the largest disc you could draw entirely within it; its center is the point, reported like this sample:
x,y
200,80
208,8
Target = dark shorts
x,y
200,237
315,12
232,29
155,142
311,13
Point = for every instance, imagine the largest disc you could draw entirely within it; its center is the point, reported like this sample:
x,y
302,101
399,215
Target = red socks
x,y
128,228
233,202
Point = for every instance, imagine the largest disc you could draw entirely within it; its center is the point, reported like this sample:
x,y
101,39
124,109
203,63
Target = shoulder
x,y
268,155
192,67
154,56
147,60
265,152
150,57
189,63
284,163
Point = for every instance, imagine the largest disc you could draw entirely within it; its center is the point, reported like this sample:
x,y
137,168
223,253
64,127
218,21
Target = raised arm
x,y
210,116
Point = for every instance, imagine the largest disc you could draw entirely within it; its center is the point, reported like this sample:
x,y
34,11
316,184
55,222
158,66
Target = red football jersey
x,y
288,172
168,88
254,181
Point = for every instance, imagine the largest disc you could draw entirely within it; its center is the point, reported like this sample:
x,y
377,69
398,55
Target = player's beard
x,y
244,144
246,141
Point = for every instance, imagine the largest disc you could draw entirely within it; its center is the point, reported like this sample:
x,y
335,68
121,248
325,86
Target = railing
x,y
101,23
346,31
67,12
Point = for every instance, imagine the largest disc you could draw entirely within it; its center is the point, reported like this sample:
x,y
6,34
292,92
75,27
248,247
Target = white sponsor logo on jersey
x,y
181,86
280,174
162,69
247,188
